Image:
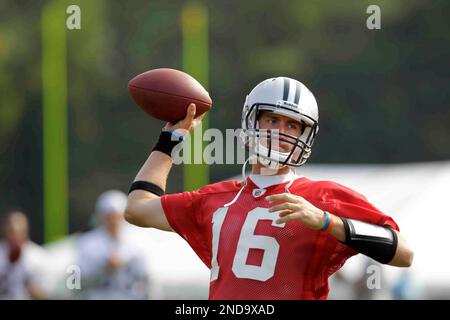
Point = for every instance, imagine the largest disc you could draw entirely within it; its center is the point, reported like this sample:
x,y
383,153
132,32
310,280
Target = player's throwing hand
x,y
187,124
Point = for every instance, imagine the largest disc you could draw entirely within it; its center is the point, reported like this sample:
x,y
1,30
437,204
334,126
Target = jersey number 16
x,y
248,240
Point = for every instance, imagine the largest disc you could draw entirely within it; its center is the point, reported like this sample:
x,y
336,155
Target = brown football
x,y
166,93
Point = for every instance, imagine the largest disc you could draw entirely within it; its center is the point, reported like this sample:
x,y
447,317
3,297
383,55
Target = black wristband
x,y
167,142
147,186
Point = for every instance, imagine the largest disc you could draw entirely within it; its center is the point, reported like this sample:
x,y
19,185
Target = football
x,y
166,93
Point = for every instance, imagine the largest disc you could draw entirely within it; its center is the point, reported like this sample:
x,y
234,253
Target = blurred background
x,y
69,130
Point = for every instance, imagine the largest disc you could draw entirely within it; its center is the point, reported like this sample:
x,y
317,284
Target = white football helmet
x,y
287,97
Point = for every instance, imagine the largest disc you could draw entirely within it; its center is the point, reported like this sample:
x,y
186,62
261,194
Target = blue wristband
x,y
176,134
327,221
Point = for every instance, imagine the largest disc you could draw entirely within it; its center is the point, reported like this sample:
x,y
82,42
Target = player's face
x,y
272,121
112,221
16,228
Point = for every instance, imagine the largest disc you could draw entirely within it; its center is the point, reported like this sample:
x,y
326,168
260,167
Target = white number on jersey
x,y
248,240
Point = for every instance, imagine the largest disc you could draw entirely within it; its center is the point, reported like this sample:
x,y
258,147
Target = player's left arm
x,y
381,243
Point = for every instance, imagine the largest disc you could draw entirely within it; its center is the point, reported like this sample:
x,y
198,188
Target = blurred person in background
x,y
21,272
111,265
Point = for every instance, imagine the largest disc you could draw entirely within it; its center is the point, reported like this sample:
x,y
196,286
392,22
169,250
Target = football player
x,y
112,267
22,271
273,235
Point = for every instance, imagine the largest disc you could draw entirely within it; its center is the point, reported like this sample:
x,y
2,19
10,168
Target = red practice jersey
x,y
252,257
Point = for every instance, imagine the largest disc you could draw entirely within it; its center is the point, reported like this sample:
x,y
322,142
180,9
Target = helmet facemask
x,y
275,149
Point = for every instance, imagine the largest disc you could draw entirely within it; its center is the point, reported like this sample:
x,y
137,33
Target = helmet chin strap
x,y
276,166
274,161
